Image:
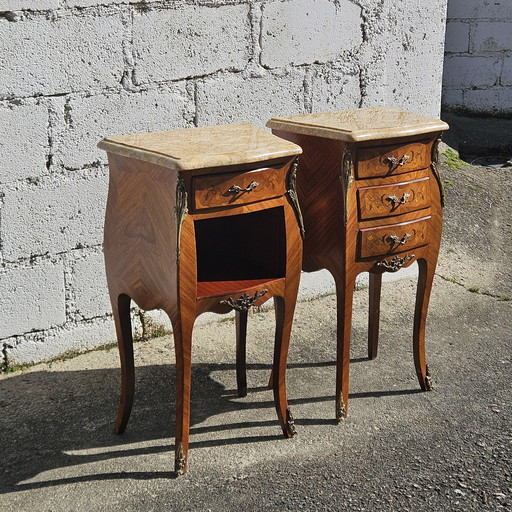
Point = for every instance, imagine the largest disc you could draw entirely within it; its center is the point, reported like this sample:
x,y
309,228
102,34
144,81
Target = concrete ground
x,y
400,448
478,137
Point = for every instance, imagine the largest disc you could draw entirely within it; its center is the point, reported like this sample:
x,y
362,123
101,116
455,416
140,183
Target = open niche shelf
x,y
239,251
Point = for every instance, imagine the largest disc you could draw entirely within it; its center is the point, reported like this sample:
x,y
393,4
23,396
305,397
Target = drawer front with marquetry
x,y
393,199
393,238
236,188
395,159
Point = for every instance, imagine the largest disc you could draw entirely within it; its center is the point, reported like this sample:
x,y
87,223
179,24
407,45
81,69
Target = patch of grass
x,y
448,183
473,289
475,189
154,330
14,368
453,160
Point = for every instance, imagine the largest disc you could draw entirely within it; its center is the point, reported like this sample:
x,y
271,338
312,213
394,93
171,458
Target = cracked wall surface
x,y
75,71
478,64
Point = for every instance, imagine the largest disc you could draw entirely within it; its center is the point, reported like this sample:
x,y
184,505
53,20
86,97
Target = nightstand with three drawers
x,y
371,199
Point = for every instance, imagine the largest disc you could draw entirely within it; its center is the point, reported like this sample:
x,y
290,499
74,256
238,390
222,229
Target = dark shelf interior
x,y
248,246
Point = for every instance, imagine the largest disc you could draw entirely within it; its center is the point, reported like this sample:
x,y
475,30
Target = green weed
x,y
475,189
453,160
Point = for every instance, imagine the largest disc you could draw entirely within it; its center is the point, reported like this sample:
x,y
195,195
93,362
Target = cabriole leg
x,y
344,295
284,316
374,314
241,351
425,280
183,349
121,311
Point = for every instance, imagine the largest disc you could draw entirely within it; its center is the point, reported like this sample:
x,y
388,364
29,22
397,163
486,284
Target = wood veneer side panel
x,y
140,235
321,198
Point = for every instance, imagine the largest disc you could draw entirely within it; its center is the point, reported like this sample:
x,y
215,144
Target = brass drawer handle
x,y
395,201
235,189
400,241
244,302
393,160
395,263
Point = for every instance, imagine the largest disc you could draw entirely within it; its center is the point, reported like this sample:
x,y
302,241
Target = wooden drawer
x,y
393,238
235,188
394,159
394,199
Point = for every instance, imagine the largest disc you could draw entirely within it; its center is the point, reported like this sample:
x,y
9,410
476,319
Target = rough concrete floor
x,y
475,137
400,449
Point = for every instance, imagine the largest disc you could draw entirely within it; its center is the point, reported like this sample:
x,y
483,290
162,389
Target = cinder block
x,y
492,36
452,98
466,71
32,298
231,99
18,5
412,56
92,3
91,118
477,9
495,100
457,37
55,215
23,140
307,31
37,347
506,72
193,40
89,287
316,284
51,56
335,89
405,92
400,60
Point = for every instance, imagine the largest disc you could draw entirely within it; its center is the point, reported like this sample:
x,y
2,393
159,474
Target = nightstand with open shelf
x,y
202,219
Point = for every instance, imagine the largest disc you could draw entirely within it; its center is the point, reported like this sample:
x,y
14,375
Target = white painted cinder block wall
x,y
478,65
74,71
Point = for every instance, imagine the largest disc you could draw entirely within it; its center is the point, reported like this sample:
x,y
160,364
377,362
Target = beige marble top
x,y
197,148
359,125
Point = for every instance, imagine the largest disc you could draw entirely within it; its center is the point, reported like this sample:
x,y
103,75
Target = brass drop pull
x,y
395,263
395,201
394,161
244,302
400,241
235,189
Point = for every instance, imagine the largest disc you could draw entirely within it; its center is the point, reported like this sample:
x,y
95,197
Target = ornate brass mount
x,y
395,263
395,201
180,210
290,423
292,194
394,161
428,380
341,410
347,176
435,170
235,189
244,302
400,241
179,463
